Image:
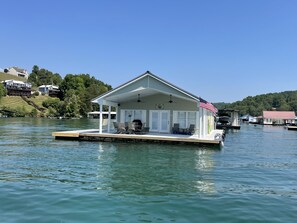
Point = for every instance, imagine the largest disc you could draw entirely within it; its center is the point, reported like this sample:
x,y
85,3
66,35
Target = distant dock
x,y
228,119
294,128
94,135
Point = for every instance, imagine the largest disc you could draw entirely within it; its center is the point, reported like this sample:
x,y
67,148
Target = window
x,y
130,115
184,118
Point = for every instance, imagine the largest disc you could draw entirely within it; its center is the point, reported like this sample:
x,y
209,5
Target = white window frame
x,y
187,122
132,113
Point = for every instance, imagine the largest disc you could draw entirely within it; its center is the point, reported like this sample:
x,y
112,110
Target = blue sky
x,y
221,50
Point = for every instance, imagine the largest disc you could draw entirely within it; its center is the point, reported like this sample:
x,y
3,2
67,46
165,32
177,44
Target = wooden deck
x,y
93,135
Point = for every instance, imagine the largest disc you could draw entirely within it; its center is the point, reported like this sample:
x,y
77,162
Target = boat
x,y
224,119
292,127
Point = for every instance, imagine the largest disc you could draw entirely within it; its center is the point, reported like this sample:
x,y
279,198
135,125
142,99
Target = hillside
x,y
282,101
4,76
21,107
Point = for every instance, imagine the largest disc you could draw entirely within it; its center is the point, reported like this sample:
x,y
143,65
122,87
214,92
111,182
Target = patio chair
x,y
121,128
175,128
131,128
190,130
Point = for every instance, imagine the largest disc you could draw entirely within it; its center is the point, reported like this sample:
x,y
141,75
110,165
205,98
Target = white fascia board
x,y
115,90
105,102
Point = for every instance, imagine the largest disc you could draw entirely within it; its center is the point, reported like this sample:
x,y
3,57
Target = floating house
x,y
160,110
278,117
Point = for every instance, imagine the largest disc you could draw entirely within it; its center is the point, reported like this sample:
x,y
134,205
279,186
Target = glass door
x,y
159,121
164,122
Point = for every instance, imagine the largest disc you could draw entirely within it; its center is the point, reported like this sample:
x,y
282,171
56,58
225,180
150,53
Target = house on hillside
x,y
17,88
160,107
278,117
19,72
51,90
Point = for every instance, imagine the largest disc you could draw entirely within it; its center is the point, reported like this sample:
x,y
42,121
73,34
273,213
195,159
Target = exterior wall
x,y
43,89
205,121
158,102
268,121
14,72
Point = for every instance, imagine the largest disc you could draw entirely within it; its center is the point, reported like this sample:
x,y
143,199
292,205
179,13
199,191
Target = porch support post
x,y
108,124
117,111
201,115
100,118
197,131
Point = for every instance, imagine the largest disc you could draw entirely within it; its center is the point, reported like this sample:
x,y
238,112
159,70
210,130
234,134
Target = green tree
x,y
72,104
85,88
3,91
283,101
42,76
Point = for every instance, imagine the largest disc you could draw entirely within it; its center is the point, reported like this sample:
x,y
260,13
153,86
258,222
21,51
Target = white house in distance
x,y
159,105
17,88
47,88
19,72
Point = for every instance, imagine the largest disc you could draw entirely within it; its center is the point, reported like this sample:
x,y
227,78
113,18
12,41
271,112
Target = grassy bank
x,y
16,103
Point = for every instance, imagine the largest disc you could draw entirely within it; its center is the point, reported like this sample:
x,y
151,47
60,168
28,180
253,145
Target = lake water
x,y
252,179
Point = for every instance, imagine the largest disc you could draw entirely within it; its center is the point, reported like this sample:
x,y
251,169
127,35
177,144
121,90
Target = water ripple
x,y
253,179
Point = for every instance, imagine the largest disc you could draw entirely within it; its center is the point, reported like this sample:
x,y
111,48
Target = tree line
x,y
76,92
283,101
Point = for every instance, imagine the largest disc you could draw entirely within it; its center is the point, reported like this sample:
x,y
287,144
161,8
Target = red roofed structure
x,y
278,117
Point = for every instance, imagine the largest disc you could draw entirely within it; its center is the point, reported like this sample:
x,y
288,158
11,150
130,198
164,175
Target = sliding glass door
x,y
159,121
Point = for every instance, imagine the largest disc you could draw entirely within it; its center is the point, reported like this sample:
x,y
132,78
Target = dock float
x,y
94,135
292,128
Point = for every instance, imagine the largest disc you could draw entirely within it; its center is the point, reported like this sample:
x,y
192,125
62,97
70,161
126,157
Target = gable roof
x,y
146,74
145,86
279,114
20,70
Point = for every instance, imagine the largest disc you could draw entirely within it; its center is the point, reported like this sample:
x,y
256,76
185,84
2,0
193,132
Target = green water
x,y
252,179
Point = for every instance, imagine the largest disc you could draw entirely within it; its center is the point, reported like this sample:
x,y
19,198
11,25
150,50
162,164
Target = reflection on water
x,y
147,169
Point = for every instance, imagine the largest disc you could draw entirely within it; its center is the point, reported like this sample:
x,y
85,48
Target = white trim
x,y
100,119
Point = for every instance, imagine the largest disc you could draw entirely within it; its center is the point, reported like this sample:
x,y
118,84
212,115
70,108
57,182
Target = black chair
x,y
190,130
175,128
138,125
